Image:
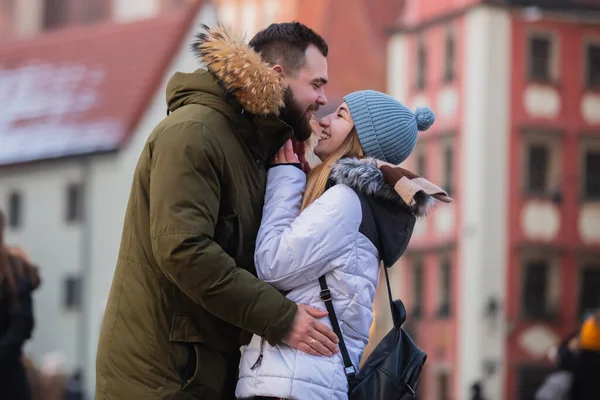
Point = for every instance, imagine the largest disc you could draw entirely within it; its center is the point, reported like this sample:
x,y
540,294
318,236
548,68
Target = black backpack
x,y
393,369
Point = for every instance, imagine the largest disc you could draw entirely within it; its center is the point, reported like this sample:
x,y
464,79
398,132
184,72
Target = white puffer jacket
x,y
335,237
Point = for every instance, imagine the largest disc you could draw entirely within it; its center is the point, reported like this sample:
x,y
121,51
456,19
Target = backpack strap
x,y
325,295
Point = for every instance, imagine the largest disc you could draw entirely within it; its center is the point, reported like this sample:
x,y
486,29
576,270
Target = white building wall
x,y
129,10
53,244
109,192
227,13
483,246
398,87
397,66
28,17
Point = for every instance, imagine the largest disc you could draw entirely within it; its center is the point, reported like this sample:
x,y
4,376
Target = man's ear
x,y
279,69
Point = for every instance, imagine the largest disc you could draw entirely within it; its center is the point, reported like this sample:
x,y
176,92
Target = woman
x,y
18,278
341,224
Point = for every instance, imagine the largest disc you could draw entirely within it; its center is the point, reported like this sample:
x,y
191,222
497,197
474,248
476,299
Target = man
x,y
184,284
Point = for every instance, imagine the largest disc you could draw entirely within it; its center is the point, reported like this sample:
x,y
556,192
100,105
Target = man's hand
x,y
309,335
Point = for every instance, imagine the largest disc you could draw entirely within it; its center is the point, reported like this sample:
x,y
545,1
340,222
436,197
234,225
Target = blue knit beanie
x,y
387,129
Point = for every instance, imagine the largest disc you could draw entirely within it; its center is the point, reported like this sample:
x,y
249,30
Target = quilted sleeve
x,y
294,248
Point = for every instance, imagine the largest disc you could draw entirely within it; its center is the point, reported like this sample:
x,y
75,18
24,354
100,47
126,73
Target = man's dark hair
x,y
286,44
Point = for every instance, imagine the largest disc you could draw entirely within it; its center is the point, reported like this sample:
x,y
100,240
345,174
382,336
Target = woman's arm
x,y
292,248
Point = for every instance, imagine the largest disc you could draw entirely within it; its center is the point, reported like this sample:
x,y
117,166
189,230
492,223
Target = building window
x,y
537,168
74,203
96,10
421,71
449,60
540,58
541,165
418,288
15,210
56,13
445,284
72,294
590,181
7,15
448,167
540,289
593,65
589,295
175,4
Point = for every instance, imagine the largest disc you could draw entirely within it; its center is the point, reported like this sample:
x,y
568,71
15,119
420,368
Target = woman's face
x,y
333,130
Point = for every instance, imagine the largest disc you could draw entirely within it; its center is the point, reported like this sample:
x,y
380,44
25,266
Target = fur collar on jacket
x,y
240,70
365,177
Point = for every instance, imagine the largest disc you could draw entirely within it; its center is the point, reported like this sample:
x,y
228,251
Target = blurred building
x,y
354,29
507,270
76,106
22,18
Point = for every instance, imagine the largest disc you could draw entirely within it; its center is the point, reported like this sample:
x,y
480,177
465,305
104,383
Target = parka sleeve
x,y
294,248
185,190
21,325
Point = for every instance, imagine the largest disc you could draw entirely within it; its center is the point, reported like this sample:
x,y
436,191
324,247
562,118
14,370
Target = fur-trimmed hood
x,y
240,70
366,177
238,85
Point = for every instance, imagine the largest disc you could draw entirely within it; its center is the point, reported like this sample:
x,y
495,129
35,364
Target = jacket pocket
x,y
184,334
204,371
190,367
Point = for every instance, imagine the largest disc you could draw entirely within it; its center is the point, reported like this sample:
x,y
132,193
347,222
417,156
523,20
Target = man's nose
x,y
322,100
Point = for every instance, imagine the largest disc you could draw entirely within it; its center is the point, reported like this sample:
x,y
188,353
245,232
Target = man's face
x,y
295,115
308,83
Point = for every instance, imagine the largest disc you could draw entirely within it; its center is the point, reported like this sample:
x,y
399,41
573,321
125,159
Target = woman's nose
x,y
324,122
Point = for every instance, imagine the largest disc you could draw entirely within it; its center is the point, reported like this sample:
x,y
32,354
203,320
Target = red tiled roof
x,y
83,90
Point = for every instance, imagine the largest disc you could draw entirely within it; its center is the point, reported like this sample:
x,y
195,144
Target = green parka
x,y
185,281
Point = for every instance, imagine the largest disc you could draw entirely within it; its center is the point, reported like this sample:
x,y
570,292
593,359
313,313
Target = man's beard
x,y
293,115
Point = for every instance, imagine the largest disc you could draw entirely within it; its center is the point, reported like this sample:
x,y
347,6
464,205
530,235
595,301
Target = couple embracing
x,y
227,230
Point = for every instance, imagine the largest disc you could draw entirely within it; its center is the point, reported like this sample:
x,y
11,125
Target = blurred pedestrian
x,y
477,391
74,389
18,278
586,374
557,386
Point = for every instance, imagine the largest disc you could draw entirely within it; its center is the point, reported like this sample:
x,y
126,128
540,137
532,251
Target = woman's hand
x,y
300,151
286,155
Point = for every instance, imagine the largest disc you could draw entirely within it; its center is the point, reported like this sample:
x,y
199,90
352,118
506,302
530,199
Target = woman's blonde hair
x,y
318,177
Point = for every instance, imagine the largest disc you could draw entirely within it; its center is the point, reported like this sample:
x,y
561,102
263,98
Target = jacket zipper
x,y
260,355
